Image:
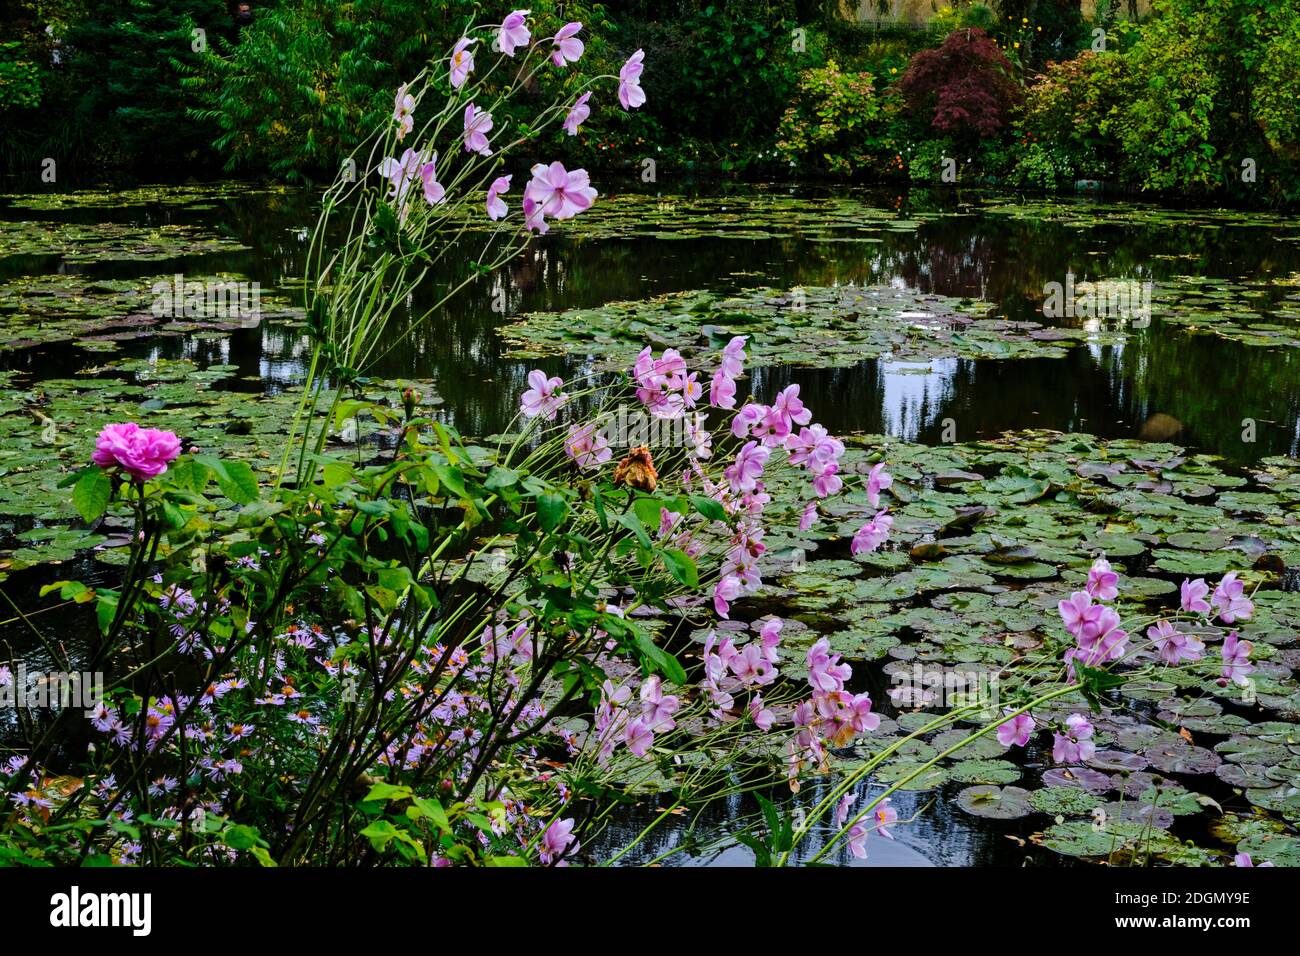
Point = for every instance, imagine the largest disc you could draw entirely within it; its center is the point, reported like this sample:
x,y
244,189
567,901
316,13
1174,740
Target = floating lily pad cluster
x,y
759,215
110,241
48,429
816,326
1091,214
988,536
97,314
192,196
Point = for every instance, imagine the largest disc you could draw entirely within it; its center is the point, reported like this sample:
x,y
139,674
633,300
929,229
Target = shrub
x,y
1167,128
964,87
1071,113
832,125
1278,87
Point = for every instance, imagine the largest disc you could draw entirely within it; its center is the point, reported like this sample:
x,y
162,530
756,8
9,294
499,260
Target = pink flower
x,y
1236,654
559,193
588,447
879,480
770,637
477,125
544,398
496,207
533,219
809,516
701,439
773,429
829,482
513,32
141,452
558,840
814,448
744,420
1174,646
725,591
433,191
751,666
872,534
1074,746
825,672
750,461
733,357
639,736
1243,859
1102,581
791,408
1193,596
860,717
657,708
763,718
884,816
630,93
1016,731
722,391
577,115
462,62
400,173
567,45
403,108
1081,615
1230,600
1104,641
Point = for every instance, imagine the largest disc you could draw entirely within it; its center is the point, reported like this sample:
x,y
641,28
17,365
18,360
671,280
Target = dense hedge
x,y
1196,99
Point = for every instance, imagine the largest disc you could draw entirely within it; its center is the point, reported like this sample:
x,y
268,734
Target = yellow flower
x,y
1017,46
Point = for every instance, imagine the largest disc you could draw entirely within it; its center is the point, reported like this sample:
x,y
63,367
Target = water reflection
x,y
932,831
1196,388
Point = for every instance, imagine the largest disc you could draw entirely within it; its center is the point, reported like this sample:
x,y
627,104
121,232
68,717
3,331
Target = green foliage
x,y
20,79
1166,130
1278,88
123,66
1070,120
834,124
309,79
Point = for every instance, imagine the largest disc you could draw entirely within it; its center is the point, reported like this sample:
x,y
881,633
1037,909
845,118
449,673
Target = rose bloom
x,y
141,452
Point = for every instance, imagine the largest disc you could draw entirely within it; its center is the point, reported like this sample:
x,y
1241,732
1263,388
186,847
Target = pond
x,y
919,316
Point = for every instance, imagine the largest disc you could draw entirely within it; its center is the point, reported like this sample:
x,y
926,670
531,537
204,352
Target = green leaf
x,y
388,791
682,566
434,811
239,836
647,509
453,479
336,473
91,493
663,662
551,511
380,834
499,478
708,507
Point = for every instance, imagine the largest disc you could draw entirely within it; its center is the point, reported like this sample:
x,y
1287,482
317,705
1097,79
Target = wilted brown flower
x,y
637,470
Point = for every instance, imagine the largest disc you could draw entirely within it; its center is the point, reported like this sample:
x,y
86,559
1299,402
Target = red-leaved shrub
x,y
965,85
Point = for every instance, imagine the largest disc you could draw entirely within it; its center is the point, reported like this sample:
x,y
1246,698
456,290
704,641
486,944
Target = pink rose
x,y
140,452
